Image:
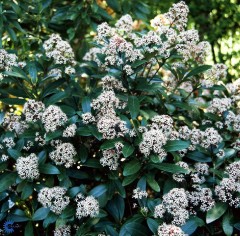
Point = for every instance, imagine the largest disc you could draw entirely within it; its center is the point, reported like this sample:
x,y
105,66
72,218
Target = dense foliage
x,y
142,138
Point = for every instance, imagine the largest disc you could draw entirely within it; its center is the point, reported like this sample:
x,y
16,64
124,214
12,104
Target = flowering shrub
x,y
139,139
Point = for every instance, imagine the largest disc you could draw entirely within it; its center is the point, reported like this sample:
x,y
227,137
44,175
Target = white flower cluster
x,y
108,123
178,176
232,121
170,230
27,167
59,50
53,117
175,204
70,131
229,188
54,198
8,142
7,60
63,230
87,118
13,122
198,137
111,83
86,206
39,139
124,24
155,136
55,73
110,158
33,110
139,194
64,155
213,75
219,105
202,197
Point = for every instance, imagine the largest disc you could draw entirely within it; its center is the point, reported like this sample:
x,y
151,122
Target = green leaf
x,y
192,224
49,169
114,4
133,106
53,135
176,145
153,183
152,225
196,71
14,153
40,214
56,98
127,150
116,207
29,229
138,63
32,72
129,179
110,143
131,167
6,180
198,156
13,101
168,167
133,229
227,224
216,212
86,104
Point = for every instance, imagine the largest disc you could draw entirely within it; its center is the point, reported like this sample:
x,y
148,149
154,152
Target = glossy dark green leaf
x,y
49,169
216,212
127,150
133,106
40,214
131,167
176,145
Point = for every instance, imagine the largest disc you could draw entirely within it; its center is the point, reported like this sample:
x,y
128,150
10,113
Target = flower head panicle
x,y
59,50
228,190
53,117
178,15
202,168
33,110
7,61
124,24
170,230
27,167
14,123
8,142
63,230
201,197
139,194
69,70
4,157
103,31
233,170
91,55
87,118
174,203
70,131
219,105
110,158
178,176
111,83
40,139
211,137
54,198
55,73
111,126
164,122
86,206
64,155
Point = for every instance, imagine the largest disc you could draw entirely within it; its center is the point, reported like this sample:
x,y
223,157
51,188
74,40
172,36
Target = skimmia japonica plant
x,y
141,138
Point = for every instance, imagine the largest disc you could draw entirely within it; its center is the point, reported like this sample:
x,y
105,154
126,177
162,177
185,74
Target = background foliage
x,y
24,26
